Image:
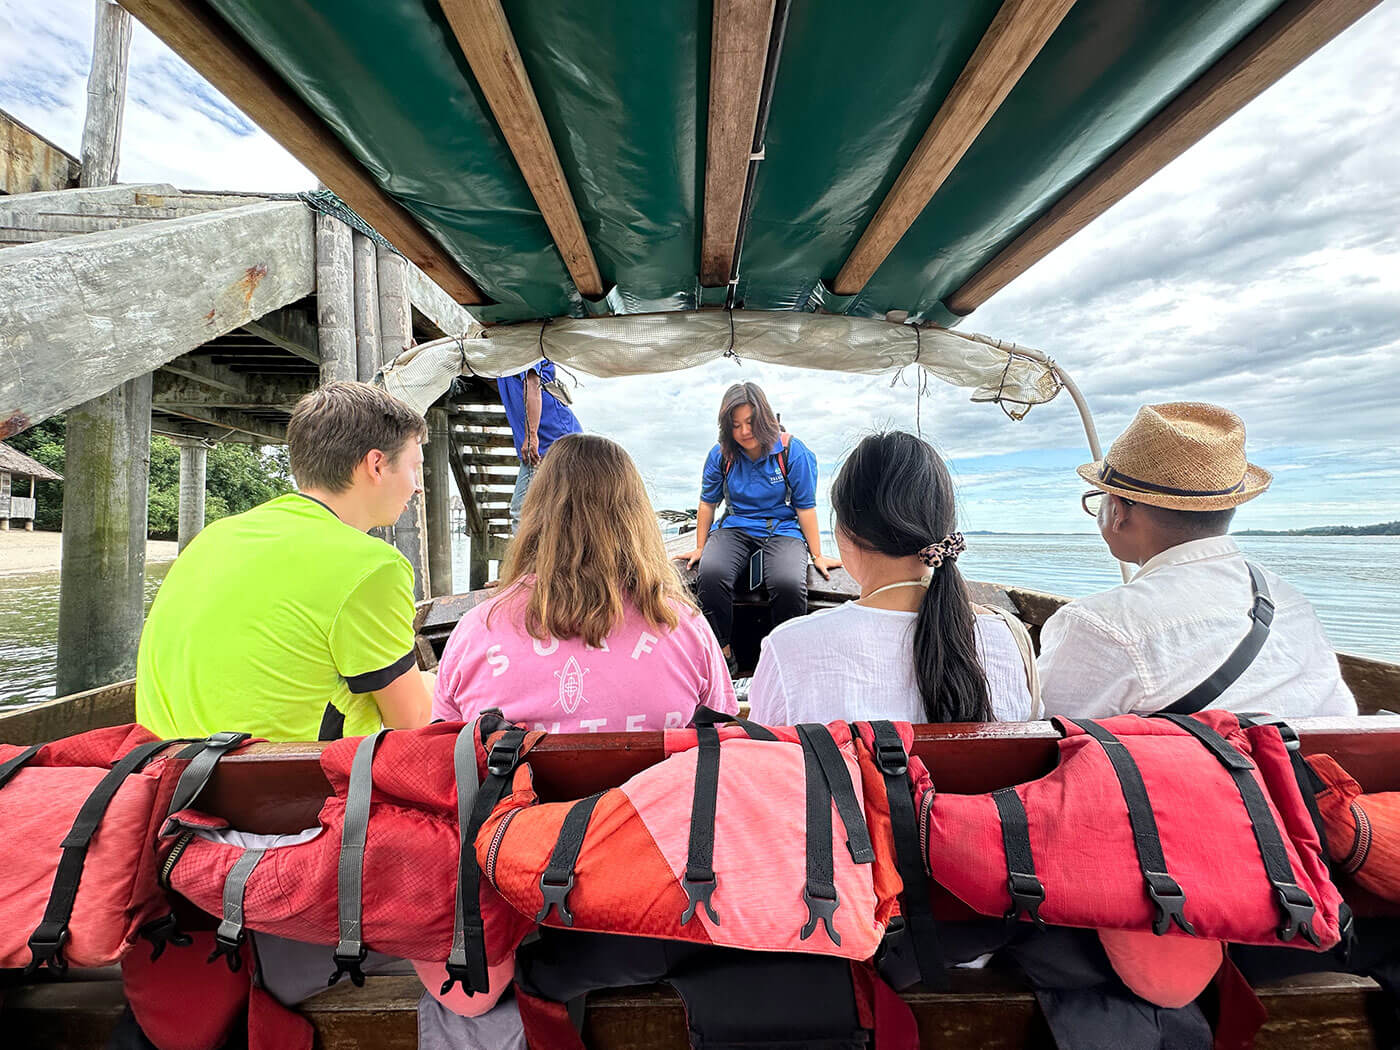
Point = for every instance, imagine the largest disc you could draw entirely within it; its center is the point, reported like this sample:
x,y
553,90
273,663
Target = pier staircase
x,y
484,467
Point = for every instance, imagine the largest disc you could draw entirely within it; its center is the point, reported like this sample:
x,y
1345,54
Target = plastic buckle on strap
x,y
556,896
823,908
891,757
1263,610
228,948
227,739
503,757
1027,895
1170,901
349,960
162,933
46,945
1298,911
698,891
457,973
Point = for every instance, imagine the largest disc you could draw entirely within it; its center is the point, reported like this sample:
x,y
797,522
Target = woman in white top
x,y
911,647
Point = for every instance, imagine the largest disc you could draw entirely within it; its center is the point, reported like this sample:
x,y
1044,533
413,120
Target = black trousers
x,y
726,561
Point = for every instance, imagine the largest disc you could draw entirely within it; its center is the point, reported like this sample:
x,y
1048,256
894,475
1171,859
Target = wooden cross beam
x,y
197,34
486,40
1016,35
1293,32
738,54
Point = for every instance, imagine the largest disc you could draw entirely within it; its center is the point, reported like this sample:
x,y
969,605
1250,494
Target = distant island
x,y
1388,528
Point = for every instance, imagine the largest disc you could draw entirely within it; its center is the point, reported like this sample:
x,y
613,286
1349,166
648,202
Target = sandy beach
x,y
22,552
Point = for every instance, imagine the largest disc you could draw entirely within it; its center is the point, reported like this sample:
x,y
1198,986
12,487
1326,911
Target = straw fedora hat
x,y
1184,456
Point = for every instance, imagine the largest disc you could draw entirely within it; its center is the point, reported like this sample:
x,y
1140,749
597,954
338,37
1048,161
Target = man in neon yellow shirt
x,y
289,621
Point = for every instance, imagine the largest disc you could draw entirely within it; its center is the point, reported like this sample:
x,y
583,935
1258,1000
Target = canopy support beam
x,y
489,46
738,56
1016,35
194,32
1280,42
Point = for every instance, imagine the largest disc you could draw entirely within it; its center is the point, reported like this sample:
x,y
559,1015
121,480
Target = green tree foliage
x,y
45,443
237,478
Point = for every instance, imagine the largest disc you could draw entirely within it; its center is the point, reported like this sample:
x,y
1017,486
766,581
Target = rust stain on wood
x,y
252,277
209,317
13,424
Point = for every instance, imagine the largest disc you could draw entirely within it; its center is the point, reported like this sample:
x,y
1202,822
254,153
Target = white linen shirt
x,y
1145,644
854,662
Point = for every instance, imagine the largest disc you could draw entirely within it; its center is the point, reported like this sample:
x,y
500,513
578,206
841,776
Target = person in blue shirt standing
x,y
537,419
769,480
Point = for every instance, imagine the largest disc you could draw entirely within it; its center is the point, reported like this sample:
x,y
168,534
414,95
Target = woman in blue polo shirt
x,y
769,481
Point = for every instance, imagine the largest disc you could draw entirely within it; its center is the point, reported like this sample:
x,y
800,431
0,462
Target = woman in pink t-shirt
x,y
592,631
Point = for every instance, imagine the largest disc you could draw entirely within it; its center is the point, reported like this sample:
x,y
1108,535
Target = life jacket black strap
x,y
819,893
350,953
699,881
1293,901
916,927
558,878
204,757
11,766
838,781
1224,676
230,935
1163,890
1027,893
47,941
501,761
465,772
708,716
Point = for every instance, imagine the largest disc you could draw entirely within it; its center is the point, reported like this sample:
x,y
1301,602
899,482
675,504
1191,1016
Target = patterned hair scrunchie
x,y
946,549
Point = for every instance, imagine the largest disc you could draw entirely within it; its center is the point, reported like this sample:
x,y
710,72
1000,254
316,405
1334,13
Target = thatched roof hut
x,y
15,462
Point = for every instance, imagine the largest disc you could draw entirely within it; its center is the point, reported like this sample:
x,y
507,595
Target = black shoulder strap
x,y
817,738
916,928
558,878
1293,901
11,766
708,716
699,882
1164,891
1224,676
819,892
1027,892
470,966
47,941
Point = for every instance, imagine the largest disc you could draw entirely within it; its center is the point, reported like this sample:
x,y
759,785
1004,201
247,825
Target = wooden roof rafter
x,y
738,56
1295,30
486,40
194,32
1016,35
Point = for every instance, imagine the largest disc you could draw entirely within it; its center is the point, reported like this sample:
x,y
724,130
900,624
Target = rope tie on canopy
x,y
731,352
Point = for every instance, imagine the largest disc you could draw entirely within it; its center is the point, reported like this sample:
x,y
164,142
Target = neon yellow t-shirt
x,y
269,615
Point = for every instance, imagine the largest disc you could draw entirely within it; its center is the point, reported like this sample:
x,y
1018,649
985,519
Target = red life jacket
x,y
729,841
1185,825
71,895
381,869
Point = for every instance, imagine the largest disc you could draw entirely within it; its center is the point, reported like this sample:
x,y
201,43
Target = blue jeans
x,y
517,499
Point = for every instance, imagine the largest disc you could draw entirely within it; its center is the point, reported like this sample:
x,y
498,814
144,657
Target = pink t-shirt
x,y
641,677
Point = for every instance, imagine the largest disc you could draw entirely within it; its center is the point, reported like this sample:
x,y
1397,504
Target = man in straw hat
x,y
1196,626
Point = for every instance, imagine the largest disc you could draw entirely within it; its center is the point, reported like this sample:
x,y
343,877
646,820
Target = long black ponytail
x,y
893,496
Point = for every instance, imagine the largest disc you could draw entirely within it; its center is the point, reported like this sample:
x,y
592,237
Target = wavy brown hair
x,y
588,543
765,423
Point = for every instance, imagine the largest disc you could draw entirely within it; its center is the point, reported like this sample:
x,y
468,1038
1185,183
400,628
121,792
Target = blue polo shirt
x,y
757,498
556,418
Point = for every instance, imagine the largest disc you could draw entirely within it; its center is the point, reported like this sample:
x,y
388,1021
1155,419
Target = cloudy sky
x,y
1261,270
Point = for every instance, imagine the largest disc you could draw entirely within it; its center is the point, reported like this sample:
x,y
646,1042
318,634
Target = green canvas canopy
x,y
533,143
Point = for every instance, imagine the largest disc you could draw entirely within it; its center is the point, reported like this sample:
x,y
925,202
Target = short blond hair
x,y
337,425
587,546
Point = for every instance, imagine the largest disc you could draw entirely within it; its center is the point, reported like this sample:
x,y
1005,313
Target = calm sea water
x,y
1353,581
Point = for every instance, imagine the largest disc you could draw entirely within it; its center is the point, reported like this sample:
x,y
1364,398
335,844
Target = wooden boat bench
x,y
279,788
